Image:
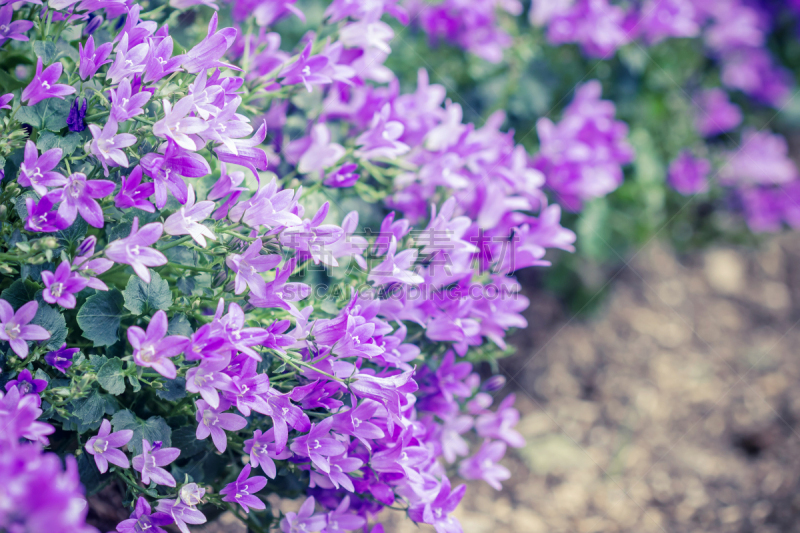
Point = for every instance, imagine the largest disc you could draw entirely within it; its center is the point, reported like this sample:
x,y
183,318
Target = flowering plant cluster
x,y
235,267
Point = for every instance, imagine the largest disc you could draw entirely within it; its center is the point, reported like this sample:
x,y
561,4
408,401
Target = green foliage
x,y
49,114
111,376
153,429
140,296
100,316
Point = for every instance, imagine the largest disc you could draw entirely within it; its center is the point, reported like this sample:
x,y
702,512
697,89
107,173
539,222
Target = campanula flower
x,y
26,383
144,520
134,250
91,58
79,196
12,30
44,84
36,170
242,491
15,327
151,462
103,447
107,145
61,359
187,220
215,421
62,286
153,349
76,120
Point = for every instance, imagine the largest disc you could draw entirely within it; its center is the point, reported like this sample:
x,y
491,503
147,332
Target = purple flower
x,y
103,447
61,287
12,30
381,139
715,113
134,250
160,62
669,18
318,445
91,58
134,193
5,100
689,175
344,176
263,449
322,153
337,477
15,328
304,519
437,512
340,521
152,349
214,421
762,159
242,490
125,105
77,114
26,383
143,520
396,267
356,422
36,171
184,509
166,171
267,207
187,220
18,418
209,51
595,24
177,126
752,71
107,145
306,70
500,425
78,196
151,460
61,359
483,465
41,216
127,62
44,84
91,267
208,378
312,237
248,266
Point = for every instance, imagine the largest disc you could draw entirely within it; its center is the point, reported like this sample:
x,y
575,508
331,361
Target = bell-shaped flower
x,y
62,286
134,250
44,84
36,171
242,491
263,450
16,329
127,62
134,193
79,196
151,462
209,51
152,349
107,145
318,445
179,127
103,447
91,58
215,421
167,169
124,104
12,30
248,267
188,220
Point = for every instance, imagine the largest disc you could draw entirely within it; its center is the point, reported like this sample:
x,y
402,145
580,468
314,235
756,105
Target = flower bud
x,y
87,246
494,383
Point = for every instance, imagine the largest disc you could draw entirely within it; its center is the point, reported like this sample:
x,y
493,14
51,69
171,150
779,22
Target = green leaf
x,y
140,295
19,293
89,474
179,325
53,321
134,381
21,207
185,438
45,50
153,429
49,114
64,49
49,140
91,408
99,317
74,233
111,378
174,390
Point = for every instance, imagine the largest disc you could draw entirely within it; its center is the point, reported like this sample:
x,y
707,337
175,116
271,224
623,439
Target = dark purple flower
x,y
77,114
103,447
134,250
44,84
61,359
61,287
214,421
15,328
243,489
263,449
134,193
41,216
143,520
78,196
151,461
152,349
5,100
26,383
344,176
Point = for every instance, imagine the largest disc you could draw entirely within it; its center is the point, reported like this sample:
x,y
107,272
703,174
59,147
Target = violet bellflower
x,y
187,220
107,145
184,508
134,193
304,519
41,216
89,267
248,267
340,521
12,30
127,62
26,383
134,250
177,126
715,113
160,61
209,51
103,447
306,70
5,100
91,58
318,445
151,462
688,174
61,359
79,196
44,84
263,451
484,465
152,349
144,520
76,120
36,170
62,286
437,512
19,414
322,153
242,491
126,105
16,329
207,379
167,169
215,421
